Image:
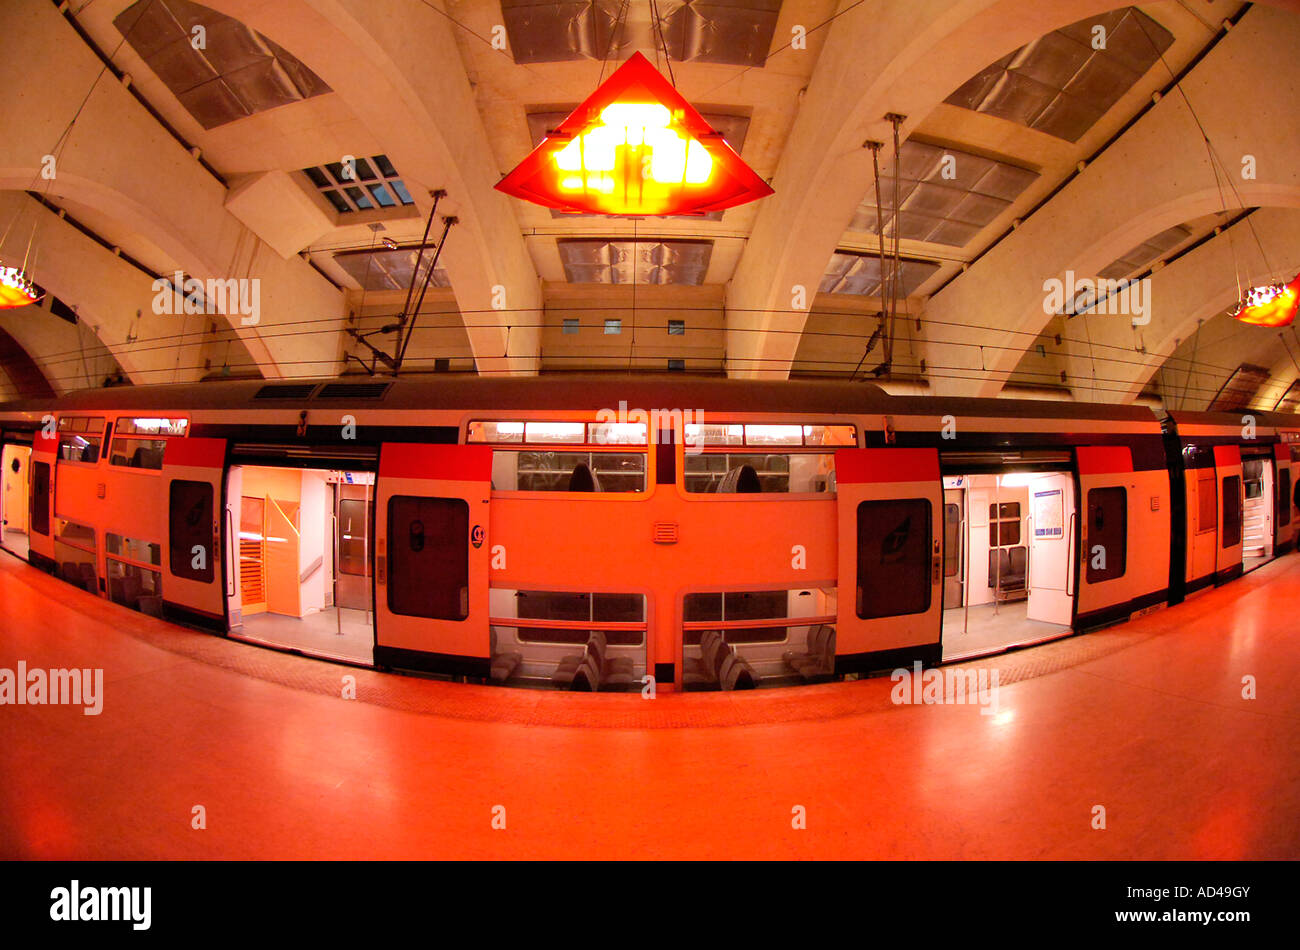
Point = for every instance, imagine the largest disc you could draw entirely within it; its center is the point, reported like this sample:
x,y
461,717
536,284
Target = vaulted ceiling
x,y
321,147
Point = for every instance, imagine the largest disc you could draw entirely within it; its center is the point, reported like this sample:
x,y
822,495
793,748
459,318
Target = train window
x,y
1004,524
779,634
1232,511
80,438
190,531
585,464
1207,504
139,442
951,540
1283,496
133,580
40,513
584,609
1107,534
716,460
428,557
893,558
353,531
75,553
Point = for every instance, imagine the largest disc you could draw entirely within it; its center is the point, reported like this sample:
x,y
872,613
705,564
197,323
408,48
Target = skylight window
x,y
362,184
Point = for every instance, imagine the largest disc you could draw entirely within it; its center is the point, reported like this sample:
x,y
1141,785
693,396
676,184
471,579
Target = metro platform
x,y
1146,719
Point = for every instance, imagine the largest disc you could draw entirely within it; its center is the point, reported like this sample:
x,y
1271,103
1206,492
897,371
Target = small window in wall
x,y
80,438
676,327
133,577
428,557
763,459
566,456
75,553
190,531
570,326
893,558
1107,534
40,513
613,327
1232,511
139,443
1004,524
1283,505
1207,502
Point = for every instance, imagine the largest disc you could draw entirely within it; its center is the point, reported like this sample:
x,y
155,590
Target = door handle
x,y
230,553
1070,565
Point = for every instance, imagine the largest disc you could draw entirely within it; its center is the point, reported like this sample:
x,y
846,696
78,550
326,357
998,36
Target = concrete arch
x,y
1156,175
904,58
417,99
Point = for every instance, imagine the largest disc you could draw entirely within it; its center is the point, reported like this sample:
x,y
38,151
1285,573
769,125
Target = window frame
x,y
391,547
745,447
102,437
1092,575
587,446
859,601
114,436
722,626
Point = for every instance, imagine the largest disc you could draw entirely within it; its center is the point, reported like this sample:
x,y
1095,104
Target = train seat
x,y
503,665
736,673
568,668
741,480
704,669
1007,570
583,479
615,671
586,678
819,660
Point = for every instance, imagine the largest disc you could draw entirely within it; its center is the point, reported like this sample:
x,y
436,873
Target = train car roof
x,y
564,393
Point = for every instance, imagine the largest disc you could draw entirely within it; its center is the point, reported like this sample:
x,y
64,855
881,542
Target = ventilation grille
x,y
1145,253
285,391
353,390
1239,389
665,532
646,262
859,274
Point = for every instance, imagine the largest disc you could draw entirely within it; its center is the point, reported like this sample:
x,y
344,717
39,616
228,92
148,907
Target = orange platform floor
x,y
1146,719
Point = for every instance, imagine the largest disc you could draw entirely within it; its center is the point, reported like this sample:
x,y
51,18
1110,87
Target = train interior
x,y
14,499
574,640
303,553
755,639
1257,511
1007,563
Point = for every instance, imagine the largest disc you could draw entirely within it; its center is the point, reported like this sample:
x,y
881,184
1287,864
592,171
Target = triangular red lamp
x,y
635,147
1271,305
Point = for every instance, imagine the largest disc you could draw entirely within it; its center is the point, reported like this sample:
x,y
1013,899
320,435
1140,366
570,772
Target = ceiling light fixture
x,y
1269,305
16,288
635,147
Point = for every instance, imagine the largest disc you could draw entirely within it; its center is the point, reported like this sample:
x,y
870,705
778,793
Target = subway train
x,y
637,534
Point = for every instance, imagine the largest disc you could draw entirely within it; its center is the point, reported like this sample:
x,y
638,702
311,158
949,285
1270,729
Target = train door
x,y
954,543
40,548
1257,518
1227,466
293,552
1050,529
890,513
195,584
1285,525
431,558
14,499
1122,534
1202,518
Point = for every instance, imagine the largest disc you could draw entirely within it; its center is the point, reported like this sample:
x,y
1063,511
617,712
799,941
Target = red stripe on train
x,y
458,463
1226,456
1104,459
195,453
857,466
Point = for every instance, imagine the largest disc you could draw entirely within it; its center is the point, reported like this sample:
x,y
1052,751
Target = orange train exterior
x,y
459,518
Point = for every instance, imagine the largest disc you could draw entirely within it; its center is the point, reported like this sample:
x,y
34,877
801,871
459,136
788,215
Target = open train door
x,y
1052,526
194,571
1227,468
431,558
1283,483
890,514
40,500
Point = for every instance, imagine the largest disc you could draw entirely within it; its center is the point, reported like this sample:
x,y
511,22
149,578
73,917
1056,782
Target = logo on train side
x,y
657,420
476,536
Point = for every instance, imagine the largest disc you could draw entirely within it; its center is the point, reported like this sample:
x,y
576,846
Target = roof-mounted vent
x,y
353,390
285,391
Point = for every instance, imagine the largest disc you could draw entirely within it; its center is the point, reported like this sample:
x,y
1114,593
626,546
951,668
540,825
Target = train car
x,y
605,533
